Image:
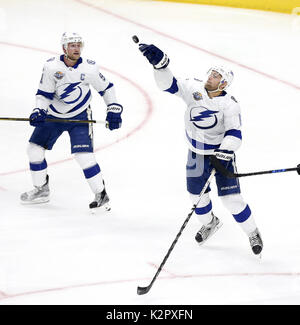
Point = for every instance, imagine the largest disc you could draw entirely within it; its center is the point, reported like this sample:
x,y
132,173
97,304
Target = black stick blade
x,y
143,290
135,39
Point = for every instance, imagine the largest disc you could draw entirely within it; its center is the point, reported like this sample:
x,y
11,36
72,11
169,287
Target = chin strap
x,y
216,90
67,56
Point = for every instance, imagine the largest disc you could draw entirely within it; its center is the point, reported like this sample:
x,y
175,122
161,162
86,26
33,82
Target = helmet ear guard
x,y
222,83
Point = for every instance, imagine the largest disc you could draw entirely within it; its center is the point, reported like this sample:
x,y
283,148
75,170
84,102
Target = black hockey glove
x,y
37,117
155,56
113,117
221,157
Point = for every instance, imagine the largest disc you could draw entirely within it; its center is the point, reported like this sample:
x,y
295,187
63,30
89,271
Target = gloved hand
x,y
37,117
113,116
155,56
224,156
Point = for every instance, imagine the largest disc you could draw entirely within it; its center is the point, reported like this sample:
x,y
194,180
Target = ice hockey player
x,y
212,127
64,93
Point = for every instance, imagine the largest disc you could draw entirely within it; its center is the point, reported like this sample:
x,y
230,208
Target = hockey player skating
x,y
213,127
64,92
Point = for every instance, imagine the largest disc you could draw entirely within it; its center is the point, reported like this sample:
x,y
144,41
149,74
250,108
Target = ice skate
x,y
40,194
208,230
101,201
256,242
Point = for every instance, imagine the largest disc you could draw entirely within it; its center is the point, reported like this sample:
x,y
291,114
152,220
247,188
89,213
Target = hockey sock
x,y
240,211
94,178
37,164
203,209
91,170
38,172
245,220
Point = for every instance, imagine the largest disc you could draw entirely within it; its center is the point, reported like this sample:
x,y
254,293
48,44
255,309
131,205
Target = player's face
x,y
74,50
213,81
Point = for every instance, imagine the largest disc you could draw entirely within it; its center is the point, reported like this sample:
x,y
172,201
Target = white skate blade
x,y
105,207
215,230
40,200
258,256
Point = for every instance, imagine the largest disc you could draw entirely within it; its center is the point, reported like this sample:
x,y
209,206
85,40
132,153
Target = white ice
x,y
60,253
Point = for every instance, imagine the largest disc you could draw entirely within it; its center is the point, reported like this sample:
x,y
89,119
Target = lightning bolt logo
x,y
202,116
68,90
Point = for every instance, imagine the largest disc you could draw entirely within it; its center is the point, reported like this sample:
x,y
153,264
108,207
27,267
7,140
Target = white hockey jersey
x,y
64,91
210,123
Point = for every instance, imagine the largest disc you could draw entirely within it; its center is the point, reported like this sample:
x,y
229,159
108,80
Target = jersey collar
x,y
223,93
74,66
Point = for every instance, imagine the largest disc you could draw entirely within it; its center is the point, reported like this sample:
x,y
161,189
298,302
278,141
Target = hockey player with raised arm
x,y
64,93
212,127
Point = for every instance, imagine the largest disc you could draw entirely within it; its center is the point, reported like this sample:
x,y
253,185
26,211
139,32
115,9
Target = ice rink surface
x,y
60,253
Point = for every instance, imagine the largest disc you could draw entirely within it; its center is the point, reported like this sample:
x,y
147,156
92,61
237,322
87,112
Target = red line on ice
x,y
188,44
149,111
104,146
5,296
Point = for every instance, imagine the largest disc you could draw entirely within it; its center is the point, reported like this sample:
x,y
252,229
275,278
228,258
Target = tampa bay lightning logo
x,y
203,118
70,93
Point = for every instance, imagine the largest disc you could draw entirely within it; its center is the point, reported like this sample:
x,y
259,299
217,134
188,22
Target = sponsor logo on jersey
x,y
101,76
59,75
197,95
90,61
203,118
82,76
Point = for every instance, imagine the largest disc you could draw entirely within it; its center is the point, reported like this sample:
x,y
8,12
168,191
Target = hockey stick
x,y
58,120
225,172
143,290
